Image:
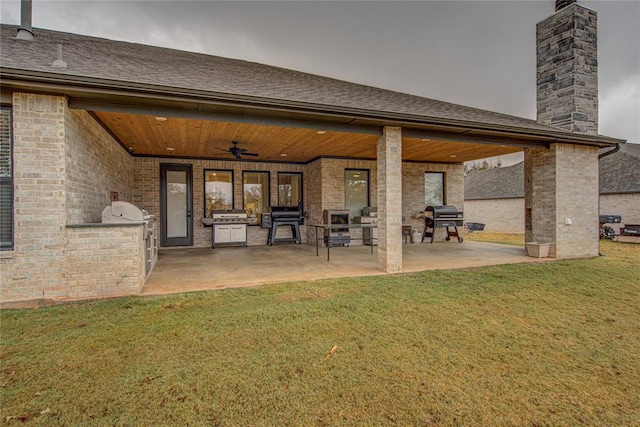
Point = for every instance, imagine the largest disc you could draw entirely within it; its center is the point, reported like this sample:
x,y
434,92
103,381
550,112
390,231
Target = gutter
x,y
608,153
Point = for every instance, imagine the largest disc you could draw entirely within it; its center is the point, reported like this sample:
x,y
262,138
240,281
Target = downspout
x,y
615,150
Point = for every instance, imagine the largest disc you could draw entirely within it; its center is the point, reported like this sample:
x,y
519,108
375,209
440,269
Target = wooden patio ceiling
x,y
179,137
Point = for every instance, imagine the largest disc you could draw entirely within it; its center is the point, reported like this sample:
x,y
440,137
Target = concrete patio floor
x,y
184,270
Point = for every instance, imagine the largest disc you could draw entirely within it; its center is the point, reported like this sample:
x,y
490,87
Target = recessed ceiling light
x,y
453,155
426,139
283,155
170,148
321,132
161,119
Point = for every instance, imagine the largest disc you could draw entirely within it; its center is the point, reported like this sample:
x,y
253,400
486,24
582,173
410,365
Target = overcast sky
x,y
476,53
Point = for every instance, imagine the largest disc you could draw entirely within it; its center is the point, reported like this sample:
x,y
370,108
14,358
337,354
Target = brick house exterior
x,y
82,128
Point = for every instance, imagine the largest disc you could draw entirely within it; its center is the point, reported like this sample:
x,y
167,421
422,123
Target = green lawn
x,y
542,344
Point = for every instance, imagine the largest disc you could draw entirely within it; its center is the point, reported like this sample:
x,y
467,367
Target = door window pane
x,y
356,191
218,191
176,204
289,189
434,189
255,189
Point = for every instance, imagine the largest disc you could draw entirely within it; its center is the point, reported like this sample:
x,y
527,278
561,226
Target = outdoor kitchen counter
x,y
329,226
105,224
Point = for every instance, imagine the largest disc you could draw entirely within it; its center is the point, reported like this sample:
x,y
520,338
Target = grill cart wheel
x,y
460,239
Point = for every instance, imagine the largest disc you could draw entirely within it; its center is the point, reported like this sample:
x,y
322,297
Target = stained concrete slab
x,y
184,270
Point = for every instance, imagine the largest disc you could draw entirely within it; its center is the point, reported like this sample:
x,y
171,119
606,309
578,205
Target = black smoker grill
x,y
442,216
607,232
285,215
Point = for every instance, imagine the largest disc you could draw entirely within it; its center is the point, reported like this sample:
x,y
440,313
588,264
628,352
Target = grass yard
x,y
541,344
502,238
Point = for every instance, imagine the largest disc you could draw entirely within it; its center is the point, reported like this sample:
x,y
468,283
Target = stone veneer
x,y
567,70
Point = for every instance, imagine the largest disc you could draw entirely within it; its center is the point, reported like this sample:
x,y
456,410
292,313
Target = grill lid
x,y
443,211
119,211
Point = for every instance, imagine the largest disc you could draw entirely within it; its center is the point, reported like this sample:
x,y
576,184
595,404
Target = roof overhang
x,y
119,97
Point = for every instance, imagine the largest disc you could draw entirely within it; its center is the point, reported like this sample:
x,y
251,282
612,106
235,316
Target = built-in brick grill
x,y
442,217
285,215
120,212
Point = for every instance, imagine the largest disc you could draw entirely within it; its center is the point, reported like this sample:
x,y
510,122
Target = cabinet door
x,y
238,233
223,233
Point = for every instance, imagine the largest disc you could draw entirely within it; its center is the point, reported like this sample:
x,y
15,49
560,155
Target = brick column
x,y
390,200
561,199
38,265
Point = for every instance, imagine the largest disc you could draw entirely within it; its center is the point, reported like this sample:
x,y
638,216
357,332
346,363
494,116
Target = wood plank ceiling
x,y
193,138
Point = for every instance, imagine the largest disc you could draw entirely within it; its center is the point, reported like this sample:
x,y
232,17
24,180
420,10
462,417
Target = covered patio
x,y
200,269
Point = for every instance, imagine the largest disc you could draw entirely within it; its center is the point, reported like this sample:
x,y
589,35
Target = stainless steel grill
x,y
446,217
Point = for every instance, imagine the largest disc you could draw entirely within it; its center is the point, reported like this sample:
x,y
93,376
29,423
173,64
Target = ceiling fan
x,y
236,151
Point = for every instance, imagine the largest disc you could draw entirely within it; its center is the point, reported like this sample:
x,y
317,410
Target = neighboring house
x,y
87,120
620,185
495,197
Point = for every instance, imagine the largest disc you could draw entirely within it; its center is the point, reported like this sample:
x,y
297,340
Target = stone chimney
x,y
567,68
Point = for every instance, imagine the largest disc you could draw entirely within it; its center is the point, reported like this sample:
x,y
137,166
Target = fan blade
x,y
250,154
222,149
237,156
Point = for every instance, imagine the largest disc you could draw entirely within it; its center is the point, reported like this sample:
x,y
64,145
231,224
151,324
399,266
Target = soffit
x,y
143,135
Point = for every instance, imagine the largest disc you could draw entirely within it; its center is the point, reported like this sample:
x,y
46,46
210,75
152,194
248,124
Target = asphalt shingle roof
x,y
92,57
498,183
619,173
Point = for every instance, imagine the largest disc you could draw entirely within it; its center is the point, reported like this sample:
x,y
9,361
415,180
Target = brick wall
x,y
36,266
498,215
146,192
413,194
105,261
561,199
626,205
55,149
96,165
323,188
